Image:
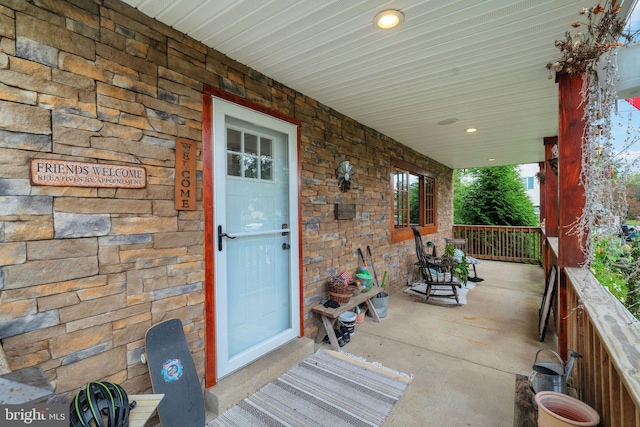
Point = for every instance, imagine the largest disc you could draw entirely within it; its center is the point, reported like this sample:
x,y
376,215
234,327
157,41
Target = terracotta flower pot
x,y
559,410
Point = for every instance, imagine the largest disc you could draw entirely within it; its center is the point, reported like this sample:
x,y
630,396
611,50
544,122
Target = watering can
x,y
551,376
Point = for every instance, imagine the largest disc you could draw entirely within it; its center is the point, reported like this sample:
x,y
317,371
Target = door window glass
x,y
249,155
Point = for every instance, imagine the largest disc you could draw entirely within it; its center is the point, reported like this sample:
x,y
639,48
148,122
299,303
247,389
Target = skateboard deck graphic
x,y
173,374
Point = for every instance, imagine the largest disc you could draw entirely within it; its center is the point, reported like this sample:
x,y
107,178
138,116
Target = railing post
x,y
570,192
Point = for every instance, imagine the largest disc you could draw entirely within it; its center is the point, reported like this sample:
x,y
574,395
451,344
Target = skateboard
x,y
173,374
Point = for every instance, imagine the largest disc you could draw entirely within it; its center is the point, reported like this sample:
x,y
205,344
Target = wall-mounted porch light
x,y
388,19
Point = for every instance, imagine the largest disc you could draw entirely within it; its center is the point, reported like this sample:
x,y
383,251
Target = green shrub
x,y
616,268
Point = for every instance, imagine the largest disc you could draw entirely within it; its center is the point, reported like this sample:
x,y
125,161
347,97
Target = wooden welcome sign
x,y
185,185
63,173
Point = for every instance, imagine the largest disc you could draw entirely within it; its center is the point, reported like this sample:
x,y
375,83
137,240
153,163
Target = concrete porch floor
x,y
464,358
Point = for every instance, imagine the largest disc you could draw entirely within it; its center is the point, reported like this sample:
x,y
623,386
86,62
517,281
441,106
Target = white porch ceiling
x,y
479,61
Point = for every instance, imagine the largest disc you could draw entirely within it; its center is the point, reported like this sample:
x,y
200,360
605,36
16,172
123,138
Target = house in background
x,y
531,184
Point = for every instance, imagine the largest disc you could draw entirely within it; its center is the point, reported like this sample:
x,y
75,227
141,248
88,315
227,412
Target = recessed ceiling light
x,y
388,19
491,159
470,130
448,121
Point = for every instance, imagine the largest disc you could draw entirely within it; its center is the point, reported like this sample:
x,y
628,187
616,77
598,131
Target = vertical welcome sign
x,y
185,191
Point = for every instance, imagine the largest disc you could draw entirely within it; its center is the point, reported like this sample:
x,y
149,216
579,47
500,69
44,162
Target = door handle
x,y
221,235
285,246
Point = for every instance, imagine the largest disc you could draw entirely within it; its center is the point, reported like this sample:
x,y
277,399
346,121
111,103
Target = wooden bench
x,y
146,405
329,316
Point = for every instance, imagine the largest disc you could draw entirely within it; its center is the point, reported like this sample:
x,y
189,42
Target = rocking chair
x,y
437,273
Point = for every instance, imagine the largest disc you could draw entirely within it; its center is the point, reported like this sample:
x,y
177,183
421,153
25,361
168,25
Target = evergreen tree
x,y
495,196
459,189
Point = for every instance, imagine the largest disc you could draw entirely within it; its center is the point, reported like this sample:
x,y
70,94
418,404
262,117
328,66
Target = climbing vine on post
x,y
591,52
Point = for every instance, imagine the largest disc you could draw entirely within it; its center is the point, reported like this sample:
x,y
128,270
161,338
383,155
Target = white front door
x,y
257,292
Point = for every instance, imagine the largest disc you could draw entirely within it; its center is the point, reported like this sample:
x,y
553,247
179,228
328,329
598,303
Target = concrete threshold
x,y
240,384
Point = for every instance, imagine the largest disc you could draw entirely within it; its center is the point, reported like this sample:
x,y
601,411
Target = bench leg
x,y
374,313
328,326
320,336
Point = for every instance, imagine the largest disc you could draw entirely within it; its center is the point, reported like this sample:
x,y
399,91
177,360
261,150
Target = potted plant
x,y
602,31
461,269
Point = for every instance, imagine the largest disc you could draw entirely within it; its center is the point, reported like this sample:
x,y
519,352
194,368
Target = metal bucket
x,y
380,303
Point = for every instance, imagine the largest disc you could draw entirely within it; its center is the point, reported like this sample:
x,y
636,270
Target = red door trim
x,y
209,242
209,224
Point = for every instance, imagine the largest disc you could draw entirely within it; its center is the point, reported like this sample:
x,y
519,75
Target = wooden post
x,y
570,192
543,215
550,196
550,189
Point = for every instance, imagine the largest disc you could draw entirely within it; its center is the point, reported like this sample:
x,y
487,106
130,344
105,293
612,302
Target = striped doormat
x,y
326,389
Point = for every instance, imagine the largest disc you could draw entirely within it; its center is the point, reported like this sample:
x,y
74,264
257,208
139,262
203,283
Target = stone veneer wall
x,y
85,271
